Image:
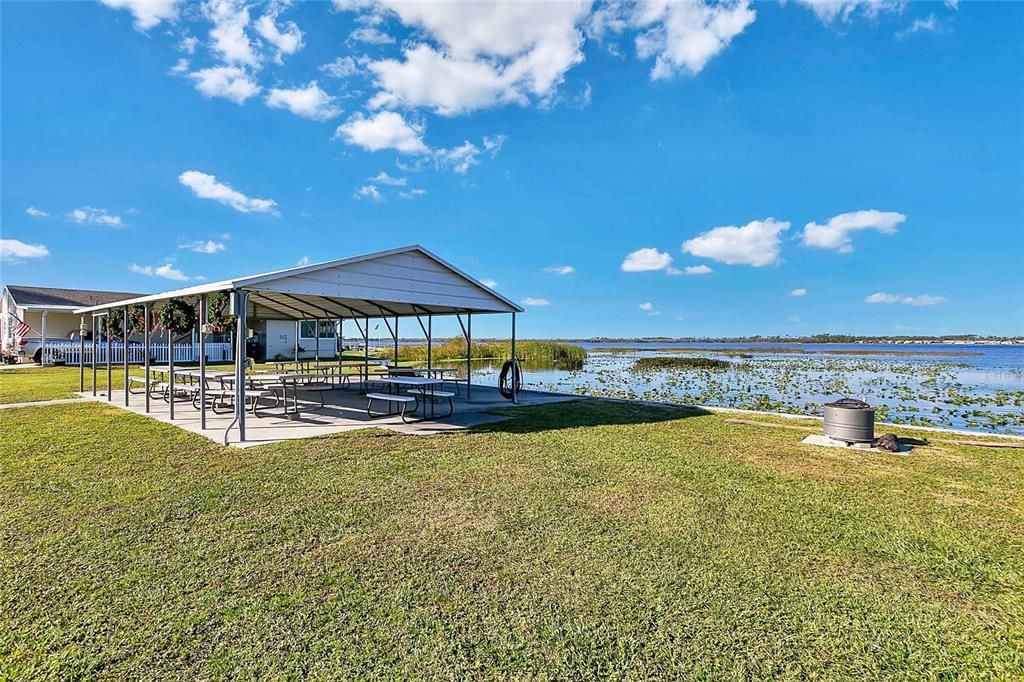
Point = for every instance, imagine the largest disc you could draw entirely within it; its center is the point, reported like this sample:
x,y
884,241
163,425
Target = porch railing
x,y
70,352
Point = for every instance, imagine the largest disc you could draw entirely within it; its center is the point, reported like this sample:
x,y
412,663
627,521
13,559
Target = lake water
x,y
958,386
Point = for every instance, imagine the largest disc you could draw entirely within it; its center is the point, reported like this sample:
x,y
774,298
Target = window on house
x,y
307,330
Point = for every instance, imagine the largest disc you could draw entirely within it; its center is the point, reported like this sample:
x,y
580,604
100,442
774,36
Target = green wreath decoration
x,y
177,316
218,320
112,324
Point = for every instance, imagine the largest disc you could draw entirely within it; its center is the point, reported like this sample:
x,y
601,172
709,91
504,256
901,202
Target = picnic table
x,y
433,372
283,381
162,386
425,387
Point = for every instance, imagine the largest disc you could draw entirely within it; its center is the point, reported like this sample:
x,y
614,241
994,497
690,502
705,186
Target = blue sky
x,y
622,169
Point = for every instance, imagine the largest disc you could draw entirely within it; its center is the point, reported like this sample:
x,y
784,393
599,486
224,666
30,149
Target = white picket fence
x,y
184,352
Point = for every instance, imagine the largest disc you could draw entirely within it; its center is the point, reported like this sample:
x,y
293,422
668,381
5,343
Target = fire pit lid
x,y
849,403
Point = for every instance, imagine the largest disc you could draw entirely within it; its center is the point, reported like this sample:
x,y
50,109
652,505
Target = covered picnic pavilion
x,y
399,285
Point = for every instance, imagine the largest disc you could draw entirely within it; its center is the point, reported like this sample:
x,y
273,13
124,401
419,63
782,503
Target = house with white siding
x,y
49,313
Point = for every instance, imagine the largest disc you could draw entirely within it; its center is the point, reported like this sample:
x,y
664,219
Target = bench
x,y
221,395
424,393
315,386
402,400
156,388
459,383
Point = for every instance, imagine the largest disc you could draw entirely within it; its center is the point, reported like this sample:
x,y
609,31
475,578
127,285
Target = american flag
x,y
22,328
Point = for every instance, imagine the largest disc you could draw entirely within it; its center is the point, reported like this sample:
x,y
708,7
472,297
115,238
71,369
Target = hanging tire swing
x,y
510,381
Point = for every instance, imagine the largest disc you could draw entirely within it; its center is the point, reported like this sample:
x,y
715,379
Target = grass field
x,y
583,540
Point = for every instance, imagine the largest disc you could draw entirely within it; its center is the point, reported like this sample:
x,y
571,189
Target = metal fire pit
x,y
850,420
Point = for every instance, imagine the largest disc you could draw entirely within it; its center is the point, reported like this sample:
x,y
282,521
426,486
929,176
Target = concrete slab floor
x,y
822,440
343,410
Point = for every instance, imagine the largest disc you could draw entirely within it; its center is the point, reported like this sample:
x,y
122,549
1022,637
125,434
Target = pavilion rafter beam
x,y
277,305
353,311
423,326
390,330
302,302
381,308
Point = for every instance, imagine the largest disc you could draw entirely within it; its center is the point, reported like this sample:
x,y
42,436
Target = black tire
x,y
508,388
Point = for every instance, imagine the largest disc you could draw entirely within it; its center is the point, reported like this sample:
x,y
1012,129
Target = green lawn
x,y
49,383
582,540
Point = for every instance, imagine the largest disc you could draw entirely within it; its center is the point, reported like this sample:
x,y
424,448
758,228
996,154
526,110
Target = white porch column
x,y
241,306
42,353
202,361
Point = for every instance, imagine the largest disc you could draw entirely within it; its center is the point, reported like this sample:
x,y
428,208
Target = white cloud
x,y
532,302
89,215
188,44
428,78
480,54
370,35
372,190
459,158
36,213
287,38
383,130
309,102
560,269
180,67
204,246
228,37
385,179
930,24
694,270
489,283
649,309
205,186
844,10
228,82
494,143
835,234
303,261
919,300
167,271
646,260
686,35
341,67
756,243
147,13
16,251
798,292
368,192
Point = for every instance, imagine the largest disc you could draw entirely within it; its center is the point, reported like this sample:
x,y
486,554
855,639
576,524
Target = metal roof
x,y
405,281
62,299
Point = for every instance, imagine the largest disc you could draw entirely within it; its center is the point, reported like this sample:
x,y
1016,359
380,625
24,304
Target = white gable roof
x,y
404,281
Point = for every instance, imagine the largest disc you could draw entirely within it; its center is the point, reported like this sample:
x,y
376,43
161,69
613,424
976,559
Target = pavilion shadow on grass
x,y
408,282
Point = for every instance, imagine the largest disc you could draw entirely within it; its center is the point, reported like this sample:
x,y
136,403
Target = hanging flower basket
x,y
177,316
211,328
